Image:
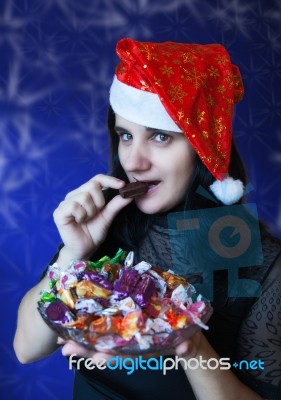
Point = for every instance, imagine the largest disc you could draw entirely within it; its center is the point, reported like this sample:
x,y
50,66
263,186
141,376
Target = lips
x,y
152,184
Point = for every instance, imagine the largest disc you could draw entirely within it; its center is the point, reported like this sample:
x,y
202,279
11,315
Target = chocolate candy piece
x,y
133,189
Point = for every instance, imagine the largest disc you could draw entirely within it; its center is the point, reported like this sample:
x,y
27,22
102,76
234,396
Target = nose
x,y
135,158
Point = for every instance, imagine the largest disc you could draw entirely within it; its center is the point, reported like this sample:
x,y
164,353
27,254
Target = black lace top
x,y
241,328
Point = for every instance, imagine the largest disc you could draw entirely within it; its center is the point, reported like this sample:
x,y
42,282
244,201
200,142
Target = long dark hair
x,y
131,225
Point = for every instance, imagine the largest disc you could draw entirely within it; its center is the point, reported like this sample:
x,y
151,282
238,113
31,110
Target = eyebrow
x,y
157,130
121,129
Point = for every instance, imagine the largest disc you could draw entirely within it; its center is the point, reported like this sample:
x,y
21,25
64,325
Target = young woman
x,y
170,126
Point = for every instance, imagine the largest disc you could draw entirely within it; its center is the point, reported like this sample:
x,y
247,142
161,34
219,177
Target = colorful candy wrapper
x,y
119,307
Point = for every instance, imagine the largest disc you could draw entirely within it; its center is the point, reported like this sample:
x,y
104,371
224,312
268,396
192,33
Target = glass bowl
x,y
159,342
118,307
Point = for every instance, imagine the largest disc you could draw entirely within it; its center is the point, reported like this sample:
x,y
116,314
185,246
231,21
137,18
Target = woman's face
x,y
161,158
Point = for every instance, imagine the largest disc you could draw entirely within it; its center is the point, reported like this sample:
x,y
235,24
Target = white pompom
x,y
228,191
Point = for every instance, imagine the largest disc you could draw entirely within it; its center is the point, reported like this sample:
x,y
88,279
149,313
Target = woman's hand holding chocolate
x,y
83,218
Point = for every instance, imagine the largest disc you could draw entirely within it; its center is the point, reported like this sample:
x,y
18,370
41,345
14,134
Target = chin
x,y
151,209
148,210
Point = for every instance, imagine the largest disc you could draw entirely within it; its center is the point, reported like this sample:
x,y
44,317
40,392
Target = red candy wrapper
x,y
119,307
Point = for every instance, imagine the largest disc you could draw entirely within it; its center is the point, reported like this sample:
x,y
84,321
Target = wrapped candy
x,y
127,305
154,308
143,291
95,277
176,319
89,289
173,280
102,324
124,286
113,272
59,312
87,306
115,306
130,324
67,297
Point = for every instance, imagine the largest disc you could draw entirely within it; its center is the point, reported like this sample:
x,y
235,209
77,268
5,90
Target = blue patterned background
x,y
57,60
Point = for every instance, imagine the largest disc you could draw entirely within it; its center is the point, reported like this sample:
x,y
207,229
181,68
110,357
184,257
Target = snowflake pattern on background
x,y
56,65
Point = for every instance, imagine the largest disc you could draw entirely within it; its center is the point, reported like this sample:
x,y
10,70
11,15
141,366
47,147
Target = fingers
x,y
189,348
183,349
113,208
83,203
96,184
72,348
61,341
83,219
79,208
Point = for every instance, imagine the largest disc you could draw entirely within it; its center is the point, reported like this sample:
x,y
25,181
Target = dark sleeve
x,y
260,338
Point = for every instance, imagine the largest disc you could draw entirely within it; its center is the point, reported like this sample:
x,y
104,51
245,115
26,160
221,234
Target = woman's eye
x,y
161,137
125,137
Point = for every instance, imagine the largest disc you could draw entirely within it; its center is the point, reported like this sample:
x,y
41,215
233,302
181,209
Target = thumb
x,y
113,207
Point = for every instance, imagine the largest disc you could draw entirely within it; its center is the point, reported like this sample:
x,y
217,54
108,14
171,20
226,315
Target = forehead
x,y
121,122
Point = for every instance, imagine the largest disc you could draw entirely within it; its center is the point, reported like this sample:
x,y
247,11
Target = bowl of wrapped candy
x,y
120,307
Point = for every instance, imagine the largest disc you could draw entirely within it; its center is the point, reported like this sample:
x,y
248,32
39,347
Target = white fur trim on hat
x,y
141,107
228,191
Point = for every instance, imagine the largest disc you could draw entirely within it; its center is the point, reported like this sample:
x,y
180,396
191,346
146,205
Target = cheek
x,y
183,167
121,155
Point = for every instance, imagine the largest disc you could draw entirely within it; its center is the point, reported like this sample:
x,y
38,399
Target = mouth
x,y
151,184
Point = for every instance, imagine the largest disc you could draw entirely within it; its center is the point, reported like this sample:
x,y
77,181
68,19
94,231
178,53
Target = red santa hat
x,y
189,88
